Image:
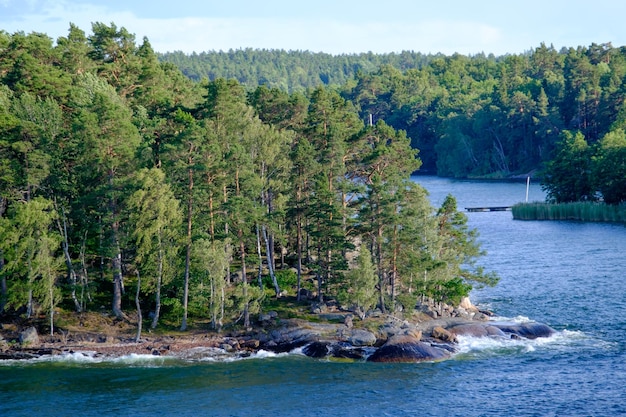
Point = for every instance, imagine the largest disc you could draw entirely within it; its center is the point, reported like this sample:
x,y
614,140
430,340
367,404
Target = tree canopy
x,y
470,116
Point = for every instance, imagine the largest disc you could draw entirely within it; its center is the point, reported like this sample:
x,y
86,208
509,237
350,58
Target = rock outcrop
x,y
442,334
393,340
336,350
529,330
359,337
476,330
29,337
407,348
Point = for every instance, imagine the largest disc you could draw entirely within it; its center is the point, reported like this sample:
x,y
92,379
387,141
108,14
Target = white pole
x,y
527,187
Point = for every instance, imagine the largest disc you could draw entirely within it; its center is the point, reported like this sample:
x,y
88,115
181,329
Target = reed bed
x,y
583,211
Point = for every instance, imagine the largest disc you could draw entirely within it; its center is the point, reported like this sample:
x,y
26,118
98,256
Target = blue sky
x,y
335,26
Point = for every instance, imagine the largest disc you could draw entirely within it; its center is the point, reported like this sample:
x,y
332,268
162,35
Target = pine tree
x,y
361,281
156,218
30,246
104,126
567,176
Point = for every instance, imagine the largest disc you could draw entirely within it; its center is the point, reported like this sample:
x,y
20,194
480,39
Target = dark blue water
x,y
566,274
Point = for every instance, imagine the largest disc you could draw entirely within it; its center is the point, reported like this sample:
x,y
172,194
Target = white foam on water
x,y
77,357
470,346
516,319
221,355
491,345
138,359
298,351
262,354
199,354
90,357
205,354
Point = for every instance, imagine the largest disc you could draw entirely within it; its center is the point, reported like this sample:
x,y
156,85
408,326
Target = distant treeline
x,y
470,116
288,70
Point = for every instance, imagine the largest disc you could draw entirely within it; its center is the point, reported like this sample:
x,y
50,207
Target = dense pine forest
x,y
126,185
289,71
478,116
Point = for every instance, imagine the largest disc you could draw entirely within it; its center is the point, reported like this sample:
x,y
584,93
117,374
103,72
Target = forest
x,y
201,187
127,187
470,116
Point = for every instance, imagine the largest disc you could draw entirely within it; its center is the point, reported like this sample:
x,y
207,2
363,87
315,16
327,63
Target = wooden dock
x,y
498,208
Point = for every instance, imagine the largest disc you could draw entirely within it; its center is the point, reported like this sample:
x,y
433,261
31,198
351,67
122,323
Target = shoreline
x,y
394,340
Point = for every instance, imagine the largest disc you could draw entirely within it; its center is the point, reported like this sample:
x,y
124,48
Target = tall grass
x,y
583,211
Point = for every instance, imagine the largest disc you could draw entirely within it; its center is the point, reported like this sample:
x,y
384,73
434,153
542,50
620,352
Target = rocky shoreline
x,y
335,337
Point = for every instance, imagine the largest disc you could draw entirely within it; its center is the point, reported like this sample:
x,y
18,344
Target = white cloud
x,y
203,34
327,35
466,28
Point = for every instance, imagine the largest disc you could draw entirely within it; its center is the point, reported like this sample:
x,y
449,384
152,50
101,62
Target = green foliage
x,y
458,251
470,116
156,221
156,217
30,247
451,291
172,311
286,278
567,177
286,70
609,167
149,169
361,284
211,264
245,299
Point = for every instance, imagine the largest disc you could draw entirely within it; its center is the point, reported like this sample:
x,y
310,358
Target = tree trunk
x,y
379,258
394,265
269,239
29,305
299,253
212,299
3,286
258,250
84,278
329,271
117,284
138,304
242,248
318,274
212,217
157,297
225,200
51,295
270,256
223,297
183,325
68,260
116,259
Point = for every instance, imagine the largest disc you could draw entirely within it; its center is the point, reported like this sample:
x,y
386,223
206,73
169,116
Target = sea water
x,y
569,275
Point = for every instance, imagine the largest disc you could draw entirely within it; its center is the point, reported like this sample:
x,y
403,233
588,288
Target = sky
x,y
334,26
